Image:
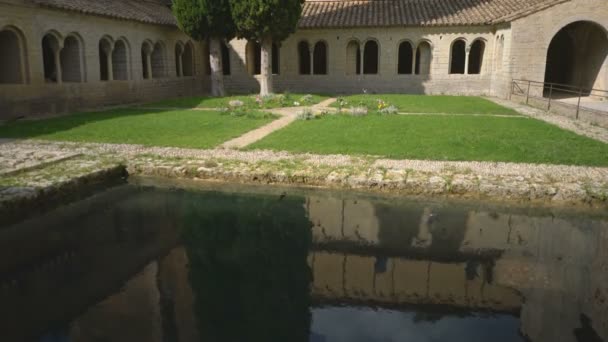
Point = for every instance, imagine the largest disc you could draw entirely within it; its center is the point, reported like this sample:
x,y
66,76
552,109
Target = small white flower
x,y
296,103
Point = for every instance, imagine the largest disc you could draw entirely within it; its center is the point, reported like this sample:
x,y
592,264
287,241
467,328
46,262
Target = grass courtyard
x,y
508,137
176,128
439,137
427,104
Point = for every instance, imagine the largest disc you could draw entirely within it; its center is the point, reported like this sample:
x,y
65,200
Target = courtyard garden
x,y
452,128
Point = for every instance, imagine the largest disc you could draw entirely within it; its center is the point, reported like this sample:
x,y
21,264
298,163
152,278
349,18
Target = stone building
x,y
64,55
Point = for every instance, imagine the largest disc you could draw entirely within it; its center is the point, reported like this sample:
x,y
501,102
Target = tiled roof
x,y
386,13
147,11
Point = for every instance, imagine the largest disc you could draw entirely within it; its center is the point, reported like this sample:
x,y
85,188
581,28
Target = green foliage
x,y
262,19
201,19
249,271
250,102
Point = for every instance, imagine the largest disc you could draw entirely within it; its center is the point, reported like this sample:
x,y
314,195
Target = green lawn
x,y
273,101
476,138
186,128
429,104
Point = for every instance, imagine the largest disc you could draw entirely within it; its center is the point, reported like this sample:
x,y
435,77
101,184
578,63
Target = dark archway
x,y
406,56
12,58
320,58
225,60
576,56
476,54
120,61
370,57
423,58
458,57
276,58
304,58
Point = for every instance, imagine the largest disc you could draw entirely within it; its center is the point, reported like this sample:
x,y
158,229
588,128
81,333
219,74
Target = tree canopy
x,y
266,19
201,19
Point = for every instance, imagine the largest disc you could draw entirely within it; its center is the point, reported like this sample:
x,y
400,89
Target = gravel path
x,y
577,126
287,117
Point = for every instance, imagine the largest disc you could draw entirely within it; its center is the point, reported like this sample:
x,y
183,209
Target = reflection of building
x,y
558,264
396,281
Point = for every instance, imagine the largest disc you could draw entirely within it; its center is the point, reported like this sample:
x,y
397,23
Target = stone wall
x,y
36,95
532,35
339,80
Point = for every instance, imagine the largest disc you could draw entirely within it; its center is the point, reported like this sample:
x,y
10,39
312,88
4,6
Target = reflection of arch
x,y
577,56
476,55
253,54
406,58
458,56
51,46
157,59
71,58
371,53
13,56
120,60
353,58
424,56
304,58
105,58
320,58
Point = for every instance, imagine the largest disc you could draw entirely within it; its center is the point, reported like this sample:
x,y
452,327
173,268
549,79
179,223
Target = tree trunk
x,y
217,72
266,61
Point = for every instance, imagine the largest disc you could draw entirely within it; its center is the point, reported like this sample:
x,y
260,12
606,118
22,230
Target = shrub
x,y
236,103
389,110
305,114
358,111
306,99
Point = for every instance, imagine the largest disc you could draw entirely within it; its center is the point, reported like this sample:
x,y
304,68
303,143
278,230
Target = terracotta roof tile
x,y
147,11
386,13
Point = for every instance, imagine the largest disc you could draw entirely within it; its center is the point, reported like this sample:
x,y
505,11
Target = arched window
x,y
71,60
476,56
423,58
225,59
50,56
370,57
105,59
12,57
304,58
458,57
188,60
120,61
353,58
406,58
146,60
276,59
320,58
253,52
158,61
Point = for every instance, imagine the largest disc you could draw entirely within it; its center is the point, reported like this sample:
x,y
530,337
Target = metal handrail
x,y
556,87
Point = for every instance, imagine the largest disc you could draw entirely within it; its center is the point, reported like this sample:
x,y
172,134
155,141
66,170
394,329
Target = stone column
x,y
312,60
361,68
149,59
414,60
58,65
180,71
466,60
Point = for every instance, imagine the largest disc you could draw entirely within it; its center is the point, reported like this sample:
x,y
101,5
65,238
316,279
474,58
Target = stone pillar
x,y
312,60
414,60
149,59
58,65
466,60
361,54
180,71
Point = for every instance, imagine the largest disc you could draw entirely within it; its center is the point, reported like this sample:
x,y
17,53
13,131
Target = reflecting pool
x,y
139,262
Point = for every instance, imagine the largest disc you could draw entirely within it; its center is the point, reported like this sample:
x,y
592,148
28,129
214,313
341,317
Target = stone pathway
x,y
577,126
288,115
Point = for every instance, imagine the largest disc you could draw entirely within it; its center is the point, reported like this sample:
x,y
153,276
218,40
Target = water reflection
x,y
142,264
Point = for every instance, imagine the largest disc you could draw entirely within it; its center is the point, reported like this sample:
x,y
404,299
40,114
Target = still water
x,y
161,264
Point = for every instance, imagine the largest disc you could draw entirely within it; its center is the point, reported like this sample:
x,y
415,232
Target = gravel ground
x,y
577,126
